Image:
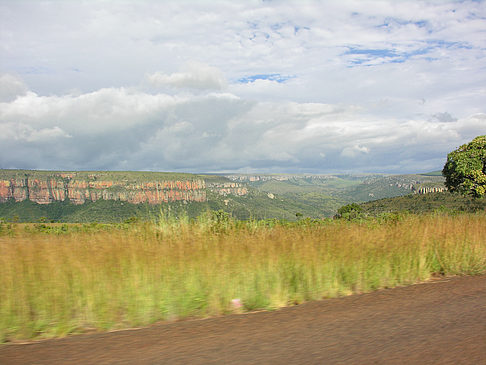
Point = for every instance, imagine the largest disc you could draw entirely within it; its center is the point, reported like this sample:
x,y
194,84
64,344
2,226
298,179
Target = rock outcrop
x,y
228,188
430,189
44,187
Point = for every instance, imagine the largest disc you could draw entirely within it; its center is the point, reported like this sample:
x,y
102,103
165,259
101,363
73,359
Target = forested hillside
x,y
108,196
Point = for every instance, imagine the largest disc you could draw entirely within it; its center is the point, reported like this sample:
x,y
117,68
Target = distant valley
x,y
27,195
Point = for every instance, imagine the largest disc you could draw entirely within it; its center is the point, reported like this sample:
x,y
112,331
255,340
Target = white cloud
x,y
194,76
211,86
354,151
20,133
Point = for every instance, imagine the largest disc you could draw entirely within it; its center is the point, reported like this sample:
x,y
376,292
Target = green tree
x,y
465,169
350,211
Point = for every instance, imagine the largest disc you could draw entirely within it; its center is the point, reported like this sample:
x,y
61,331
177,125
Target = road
x,y
439,322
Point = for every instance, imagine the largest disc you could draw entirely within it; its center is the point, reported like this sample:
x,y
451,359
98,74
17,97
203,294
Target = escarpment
x,y
44,187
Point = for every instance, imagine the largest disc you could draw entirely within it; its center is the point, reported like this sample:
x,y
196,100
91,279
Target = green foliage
x,y
68,228
257,205
349,212
216,221
129,176
465,169
426,203
5,228
254,205
432,173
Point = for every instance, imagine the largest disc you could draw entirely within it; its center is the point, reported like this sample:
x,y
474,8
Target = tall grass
x,y
57,284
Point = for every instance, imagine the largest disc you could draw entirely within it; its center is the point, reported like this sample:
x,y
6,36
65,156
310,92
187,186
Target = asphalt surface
x,y
439,322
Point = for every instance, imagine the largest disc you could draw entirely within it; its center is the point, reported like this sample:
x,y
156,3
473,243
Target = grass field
x,y
61,279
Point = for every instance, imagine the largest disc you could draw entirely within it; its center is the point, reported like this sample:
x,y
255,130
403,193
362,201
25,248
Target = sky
x,y
351,86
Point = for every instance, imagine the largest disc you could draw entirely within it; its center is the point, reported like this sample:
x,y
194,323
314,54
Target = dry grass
x,y
57,284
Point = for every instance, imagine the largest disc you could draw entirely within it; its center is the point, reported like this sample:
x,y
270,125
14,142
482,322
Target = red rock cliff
x,y
44,188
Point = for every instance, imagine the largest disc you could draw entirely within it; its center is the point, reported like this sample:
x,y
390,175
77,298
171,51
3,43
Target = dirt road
x,y
441,322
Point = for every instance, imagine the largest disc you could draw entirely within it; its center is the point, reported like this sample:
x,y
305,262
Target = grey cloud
x,y
11,87
444,117
129,129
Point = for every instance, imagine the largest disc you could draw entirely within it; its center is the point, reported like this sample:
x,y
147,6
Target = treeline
x,y
103,211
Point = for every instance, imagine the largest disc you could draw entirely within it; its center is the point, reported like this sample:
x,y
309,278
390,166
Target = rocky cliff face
x,y
228,188
429,189
46,187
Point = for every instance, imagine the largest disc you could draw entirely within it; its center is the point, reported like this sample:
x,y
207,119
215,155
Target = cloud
x,y
11,87
354,151
120,128
194,76
21,133
444,117
324,86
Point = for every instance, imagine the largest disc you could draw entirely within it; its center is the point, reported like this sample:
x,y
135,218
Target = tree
x,y
465,169
350,211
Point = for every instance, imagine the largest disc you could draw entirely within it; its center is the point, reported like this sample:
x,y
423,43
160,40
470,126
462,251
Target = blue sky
x,y
271,77
244,86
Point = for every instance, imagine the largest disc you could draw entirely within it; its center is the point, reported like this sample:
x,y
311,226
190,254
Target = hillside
x,y
424,203
329,192
78,187
85,196
111,196
387,186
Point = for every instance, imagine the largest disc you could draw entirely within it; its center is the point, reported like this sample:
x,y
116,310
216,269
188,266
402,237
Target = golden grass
x,y
57,284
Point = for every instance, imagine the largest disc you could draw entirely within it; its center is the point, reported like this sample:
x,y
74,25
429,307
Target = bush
x,y
350,212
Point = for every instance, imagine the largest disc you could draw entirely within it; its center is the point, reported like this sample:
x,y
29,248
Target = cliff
x,y
228,188
44,187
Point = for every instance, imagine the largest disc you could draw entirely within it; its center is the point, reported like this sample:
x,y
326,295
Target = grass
x,y
71,280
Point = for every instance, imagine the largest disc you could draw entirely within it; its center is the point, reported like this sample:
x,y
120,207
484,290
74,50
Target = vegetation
x,y
255,205
269,197
322,195
350,211
423,203
57,279
129,176
269,248
465,169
